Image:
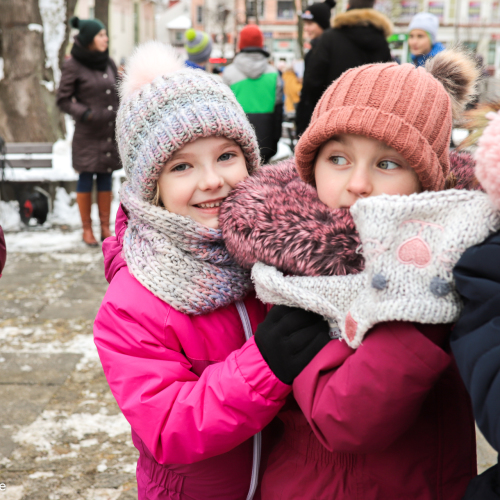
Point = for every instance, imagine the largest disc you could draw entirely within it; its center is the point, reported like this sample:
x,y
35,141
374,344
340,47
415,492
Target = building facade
x,y
131,22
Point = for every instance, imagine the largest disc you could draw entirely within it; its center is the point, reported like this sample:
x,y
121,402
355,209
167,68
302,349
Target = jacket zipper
x,y
257,439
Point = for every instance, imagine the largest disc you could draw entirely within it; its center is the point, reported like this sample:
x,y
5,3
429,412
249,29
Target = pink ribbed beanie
x,y
407,108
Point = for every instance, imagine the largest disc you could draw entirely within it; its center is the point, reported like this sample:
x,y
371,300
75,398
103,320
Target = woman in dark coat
x,y
88,93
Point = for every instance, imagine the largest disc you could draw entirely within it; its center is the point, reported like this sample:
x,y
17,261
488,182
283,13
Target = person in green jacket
x,y
258,87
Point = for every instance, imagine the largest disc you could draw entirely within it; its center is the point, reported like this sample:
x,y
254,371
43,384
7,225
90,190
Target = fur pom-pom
x,y
149,61
74,22
458,72
488,159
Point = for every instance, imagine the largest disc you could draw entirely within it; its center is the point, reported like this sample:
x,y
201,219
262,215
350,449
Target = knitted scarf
x,y
389,258
93,59
180,261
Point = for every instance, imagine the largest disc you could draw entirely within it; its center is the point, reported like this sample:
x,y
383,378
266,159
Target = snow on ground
x,y
50,426
51,240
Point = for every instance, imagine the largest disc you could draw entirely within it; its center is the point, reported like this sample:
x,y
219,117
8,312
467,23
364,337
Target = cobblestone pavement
x,y
62,435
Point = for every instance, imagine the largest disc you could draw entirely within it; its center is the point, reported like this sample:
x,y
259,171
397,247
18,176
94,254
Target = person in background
x,y
3,251
198,47
316,20
358,36
422,39
292,85
88,93
475,340
258,88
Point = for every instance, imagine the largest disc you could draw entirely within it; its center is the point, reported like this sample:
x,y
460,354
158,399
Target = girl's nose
x,y
360,182
210,180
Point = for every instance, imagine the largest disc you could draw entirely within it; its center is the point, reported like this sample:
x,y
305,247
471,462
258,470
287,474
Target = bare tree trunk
x,y
300,24
70,10
28,111
102,11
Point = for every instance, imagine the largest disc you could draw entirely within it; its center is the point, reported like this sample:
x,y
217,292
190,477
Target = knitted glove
x,y
289,338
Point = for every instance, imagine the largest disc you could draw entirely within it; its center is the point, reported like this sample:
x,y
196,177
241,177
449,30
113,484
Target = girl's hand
x,y
289,338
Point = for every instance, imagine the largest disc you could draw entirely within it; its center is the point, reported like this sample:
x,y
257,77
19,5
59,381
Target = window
x,y
285,9
199,14
408,9
492,49
474,12
252,6
179,37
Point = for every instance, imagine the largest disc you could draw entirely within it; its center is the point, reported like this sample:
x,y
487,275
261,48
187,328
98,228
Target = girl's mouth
x,y
212,204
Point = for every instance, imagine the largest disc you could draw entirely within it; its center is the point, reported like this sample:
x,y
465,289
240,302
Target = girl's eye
x,y
338,160
180,168
388,165
225,156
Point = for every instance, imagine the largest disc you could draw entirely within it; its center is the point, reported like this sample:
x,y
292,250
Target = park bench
x,y
28,154
34,202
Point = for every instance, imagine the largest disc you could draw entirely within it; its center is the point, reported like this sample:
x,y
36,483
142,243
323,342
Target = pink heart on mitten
x,y
414,251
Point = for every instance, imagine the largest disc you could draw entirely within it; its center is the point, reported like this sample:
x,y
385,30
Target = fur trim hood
x,y
363,17
276,218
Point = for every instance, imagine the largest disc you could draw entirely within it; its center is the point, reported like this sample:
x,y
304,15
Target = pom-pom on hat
x,y
164,106
198,45
88,29
410,109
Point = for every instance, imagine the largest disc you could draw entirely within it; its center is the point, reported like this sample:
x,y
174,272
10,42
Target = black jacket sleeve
x,y
476,337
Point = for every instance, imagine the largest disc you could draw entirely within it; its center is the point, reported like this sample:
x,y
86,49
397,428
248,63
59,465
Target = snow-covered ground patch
x,y
51,240
10,220
51,425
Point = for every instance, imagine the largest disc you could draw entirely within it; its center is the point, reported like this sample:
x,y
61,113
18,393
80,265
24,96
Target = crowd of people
x,y
326,327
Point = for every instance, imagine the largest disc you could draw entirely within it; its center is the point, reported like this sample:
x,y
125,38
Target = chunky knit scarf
x,y
387,259
180,261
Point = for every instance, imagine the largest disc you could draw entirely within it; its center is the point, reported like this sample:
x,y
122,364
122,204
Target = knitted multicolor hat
x,y
164,106
198,45
409,109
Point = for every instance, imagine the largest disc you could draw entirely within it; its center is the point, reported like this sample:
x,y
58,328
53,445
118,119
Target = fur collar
x,y
276,218
364,17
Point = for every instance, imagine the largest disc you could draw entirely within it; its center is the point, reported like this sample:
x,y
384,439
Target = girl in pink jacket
x,y
175,330
362,228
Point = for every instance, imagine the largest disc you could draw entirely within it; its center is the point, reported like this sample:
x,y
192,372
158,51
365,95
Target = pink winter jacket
x,y
193,391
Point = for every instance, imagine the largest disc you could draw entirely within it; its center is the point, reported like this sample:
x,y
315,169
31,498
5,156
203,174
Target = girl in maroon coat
x,y
380,413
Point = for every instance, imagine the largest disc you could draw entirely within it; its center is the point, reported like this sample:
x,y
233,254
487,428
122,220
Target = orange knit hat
x,y
410,109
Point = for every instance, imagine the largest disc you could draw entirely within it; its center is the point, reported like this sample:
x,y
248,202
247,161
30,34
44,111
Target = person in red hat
x,y
258,88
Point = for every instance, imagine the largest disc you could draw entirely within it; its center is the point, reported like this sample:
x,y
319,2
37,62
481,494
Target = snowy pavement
x,y
62,436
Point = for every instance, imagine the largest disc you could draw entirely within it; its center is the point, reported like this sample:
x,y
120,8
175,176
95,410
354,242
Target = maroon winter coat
x,y
390,420
82,88
3,251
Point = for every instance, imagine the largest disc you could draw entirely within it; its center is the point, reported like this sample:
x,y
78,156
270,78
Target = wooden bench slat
x,y
28,147
30,163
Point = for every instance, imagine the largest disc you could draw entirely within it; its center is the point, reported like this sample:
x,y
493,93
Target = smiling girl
x,y
175,329
380,412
